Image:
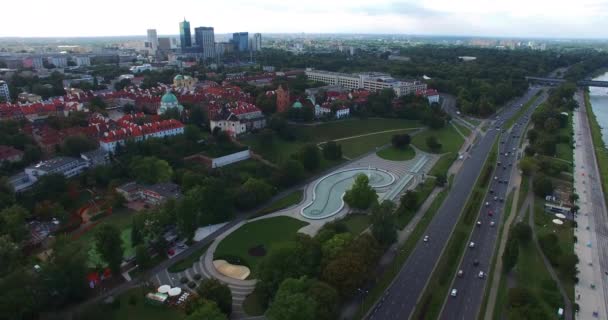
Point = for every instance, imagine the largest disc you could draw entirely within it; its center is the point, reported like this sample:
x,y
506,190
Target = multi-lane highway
x,y
470,281
400,299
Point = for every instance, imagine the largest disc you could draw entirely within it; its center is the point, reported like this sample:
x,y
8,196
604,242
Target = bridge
x,y
556,81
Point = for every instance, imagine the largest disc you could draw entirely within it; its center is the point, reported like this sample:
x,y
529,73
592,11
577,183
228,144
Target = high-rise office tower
x,y
184,34
4,92
241,41
204,38
153,40
257,42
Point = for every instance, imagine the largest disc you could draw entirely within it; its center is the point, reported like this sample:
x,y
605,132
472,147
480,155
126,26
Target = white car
x,y
492,223
487,204
481,275
460,273
479,223
454,292
426,239
472,244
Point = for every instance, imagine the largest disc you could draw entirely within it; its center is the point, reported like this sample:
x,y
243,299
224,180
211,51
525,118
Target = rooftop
x,y
53,164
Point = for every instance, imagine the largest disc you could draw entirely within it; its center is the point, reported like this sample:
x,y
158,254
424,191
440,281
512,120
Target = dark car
x,y
476,262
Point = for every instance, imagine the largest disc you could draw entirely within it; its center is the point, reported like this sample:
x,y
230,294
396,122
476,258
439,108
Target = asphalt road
x,y
470,287
400,299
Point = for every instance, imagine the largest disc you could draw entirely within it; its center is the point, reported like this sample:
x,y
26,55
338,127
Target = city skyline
x,y
544,18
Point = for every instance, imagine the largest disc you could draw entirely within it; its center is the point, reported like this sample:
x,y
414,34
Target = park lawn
x,y
357,223
280,150
127,311
464,130
449,138
269,233
394,154
355,147
473,121
187,262
424,190
443,164
288,200
564,150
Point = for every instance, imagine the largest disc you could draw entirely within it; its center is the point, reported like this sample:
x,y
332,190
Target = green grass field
x,y
267,232
464,130
355,147
448,137
188,261
127,311
356,223
394,154
281,150
288,200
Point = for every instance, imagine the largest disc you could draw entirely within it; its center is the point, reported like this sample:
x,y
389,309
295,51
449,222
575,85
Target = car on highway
x,y
481,275
472,244
492,223
487,204
426,239
476,262
460,273
495,198
479,223
454,292
490,213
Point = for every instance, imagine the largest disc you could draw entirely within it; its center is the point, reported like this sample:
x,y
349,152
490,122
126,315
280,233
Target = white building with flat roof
x,y
372,81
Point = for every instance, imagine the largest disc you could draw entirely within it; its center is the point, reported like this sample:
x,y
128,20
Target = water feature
x,y
599,103
329,190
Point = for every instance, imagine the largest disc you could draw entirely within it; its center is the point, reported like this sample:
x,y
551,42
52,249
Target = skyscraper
x,y
240,41
184,34
257,42
204,38
153,40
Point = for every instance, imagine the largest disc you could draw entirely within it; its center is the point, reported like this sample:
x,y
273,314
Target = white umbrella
x,y
164,288
561,216
175,291
558,222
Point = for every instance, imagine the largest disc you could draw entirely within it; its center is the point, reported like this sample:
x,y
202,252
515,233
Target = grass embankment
x,y
131,305
404,252
600,148
286,201
394,154
187,262
450,142
423,190
523,191
352,148
438,286
280,150
264,233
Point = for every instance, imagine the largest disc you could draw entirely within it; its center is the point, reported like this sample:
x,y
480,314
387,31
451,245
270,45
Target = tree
x,y
292,302
7,194
253,192
150,170
310,157
440,179
290,173
509,256
12,223
401,141
213,290
332,151
528,166
10,255
65,272
542,186
361,195
334,246
142,256
327,300
433,143
519,296
384,228
522,232
567,264
187,215
207,310
122,84
98,102
197,116
409,200
109,246
551,125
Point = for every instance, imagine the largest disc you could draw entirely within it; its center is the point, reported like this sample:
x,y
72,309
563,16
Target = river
x,y
599,103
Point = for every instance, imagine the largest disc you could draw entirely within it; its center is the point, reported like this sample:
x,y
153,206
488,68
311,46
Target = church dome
x,y
297,105
168,98
178,77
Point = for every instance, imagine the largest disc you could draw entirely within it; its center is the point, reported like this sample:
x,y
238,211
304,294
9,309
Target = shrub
x,y
191,284
183,280
132,300
197,277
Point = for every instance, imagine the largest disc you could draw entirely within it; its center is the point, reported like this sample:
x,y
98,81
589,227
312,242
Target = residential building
x,y
204,38
240,41
185,36
342,112
82,60
26,97
169,101
10,154
96,158
133,131
257,42
58,61
143,67
237,120
150,194
372,81
430,94
66,166
152,40
5,94
33,62
184,82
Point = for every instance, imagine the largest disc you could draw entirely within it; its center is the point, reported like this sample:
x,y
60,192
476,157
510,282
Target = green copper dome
x,y
178,77
168,98
297,105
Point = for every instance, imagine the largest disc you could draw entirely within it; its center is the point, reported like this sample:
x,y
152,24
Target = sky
x,y
506,18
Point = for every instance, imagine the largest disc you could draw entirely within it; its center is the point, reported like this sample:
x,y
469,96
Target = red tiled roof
x,y
7,152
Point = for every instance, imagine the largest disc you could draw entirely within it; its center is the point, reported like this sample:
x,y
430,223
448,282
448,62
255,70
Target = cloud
x,y
409,9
